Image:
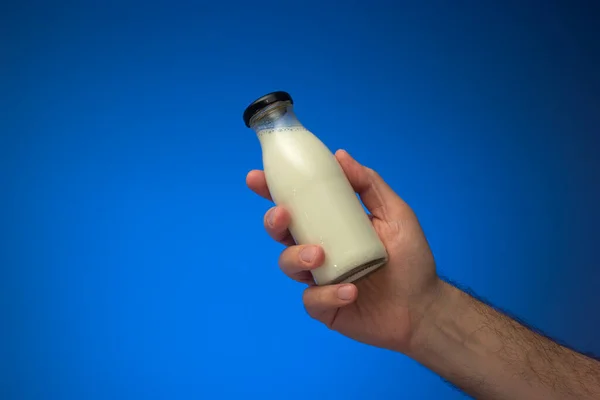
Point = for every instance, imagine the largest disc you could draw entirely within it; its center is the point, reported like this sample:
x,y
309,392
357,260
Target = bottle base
x,y
360,271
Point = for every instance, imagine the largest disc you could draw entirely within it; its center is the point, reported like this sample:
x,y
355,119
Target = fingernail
x,y
345,292
271,217
308,254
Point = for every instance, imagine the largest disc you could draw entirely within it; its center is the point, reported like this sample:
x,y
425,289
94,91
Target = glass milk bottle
x,y
305,178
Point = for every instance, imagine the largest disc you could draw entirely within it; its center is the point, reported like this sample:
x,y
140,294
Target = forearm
x,y
491,356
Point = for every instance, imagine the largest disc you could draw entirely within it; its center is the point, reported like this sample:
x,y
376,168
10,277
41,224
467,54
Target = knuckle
x,y
267,215
286,257
374,174
306,301
290,263
317,304
310,297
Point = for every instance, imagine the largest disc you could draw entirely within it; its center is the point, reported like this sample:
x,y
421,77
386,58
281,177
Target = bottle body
x,y
305,178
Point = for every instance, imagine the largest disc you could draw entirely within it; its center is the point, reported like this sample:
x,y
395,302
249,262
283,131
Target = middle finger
x,y
277,221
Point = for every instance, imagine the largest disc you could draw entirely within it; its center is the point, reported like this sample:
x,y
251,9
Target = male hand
x,y
384,308
405,307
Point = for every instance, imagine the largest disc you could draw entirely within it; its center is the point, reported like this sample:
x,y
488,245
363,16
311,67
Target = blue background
x,y
133,258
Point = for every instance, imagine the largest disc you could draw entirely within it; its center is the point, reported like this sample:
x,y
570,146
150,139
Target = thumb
x,y
374,192
322,302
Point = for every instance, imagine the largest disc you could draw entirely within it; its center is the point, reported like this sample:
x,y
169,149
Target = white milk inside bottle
x,y
305,178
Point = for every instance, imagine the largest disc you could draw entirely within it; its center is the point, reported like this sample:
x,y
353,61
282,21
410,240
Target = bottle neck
x,y
275,116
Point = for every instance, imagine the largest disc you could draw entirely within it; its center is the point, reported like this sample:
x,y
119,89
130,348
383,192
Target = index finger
x,y
257,182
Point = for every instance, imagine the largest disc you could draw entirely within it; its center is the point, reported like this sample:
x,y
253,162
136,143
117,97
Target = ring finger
x,y
297,262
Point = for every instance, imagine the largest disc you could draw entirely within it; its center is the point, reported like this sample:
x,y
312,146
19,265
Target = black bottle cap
x,y
264,101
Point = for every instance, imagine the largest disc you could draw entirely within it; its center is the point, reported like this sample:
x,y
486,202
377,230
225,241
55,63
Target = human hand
x,y
385,307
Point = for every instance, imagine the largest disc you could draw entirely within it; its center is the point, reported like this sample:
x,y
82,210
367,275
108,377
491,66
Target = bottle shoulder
x,y
292,143
297,153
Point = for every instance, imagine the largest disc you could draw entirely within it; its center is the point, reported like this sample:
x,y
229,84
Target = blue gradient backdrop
x,y
133,259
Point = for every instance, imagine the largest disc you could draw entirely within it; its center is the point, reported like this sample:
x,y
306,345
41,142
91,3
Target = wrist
x,y
431,308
